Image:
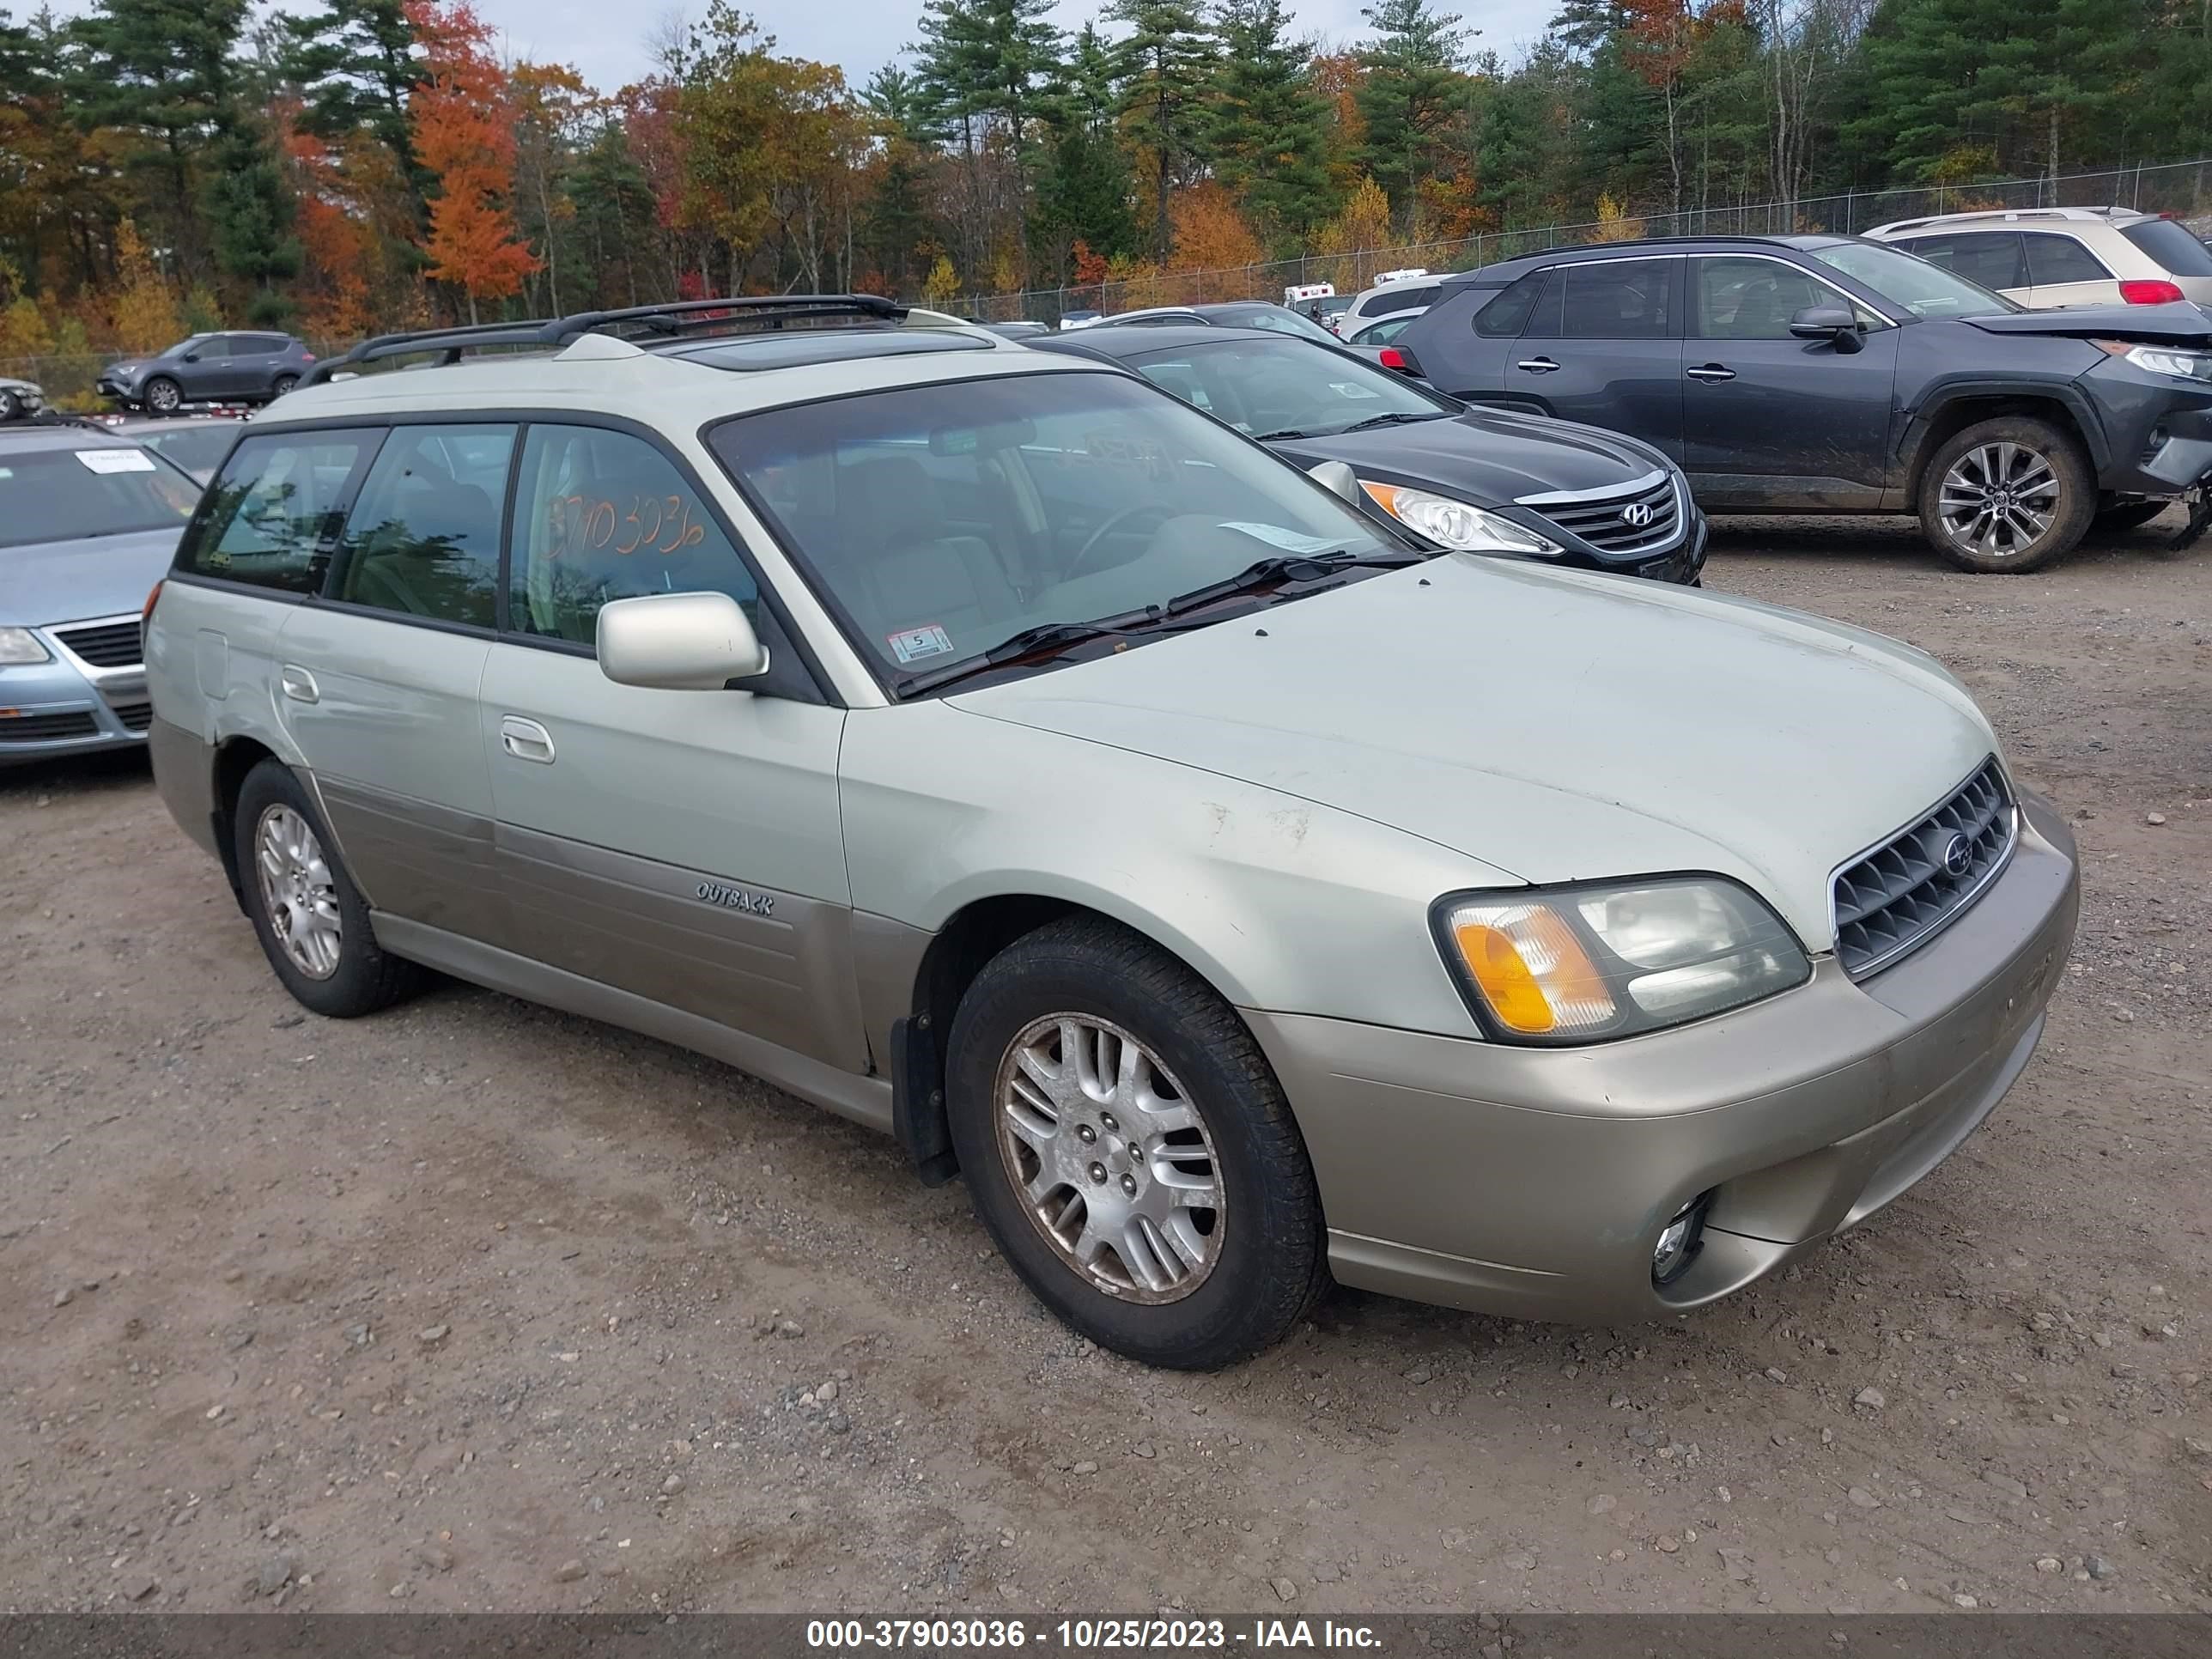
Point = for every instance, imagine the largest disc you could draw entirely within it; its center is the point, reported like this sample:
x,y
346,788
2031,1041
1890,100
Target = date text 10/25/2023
x,y
1009,1636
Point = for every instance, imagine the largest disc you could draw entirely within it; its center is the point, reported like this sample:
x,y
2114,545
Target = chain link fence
x,y
2183,189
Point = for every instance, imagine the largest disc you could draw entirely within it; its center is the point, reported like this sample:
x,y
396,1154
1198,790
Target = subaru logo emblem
x,y
1958,855
1637,515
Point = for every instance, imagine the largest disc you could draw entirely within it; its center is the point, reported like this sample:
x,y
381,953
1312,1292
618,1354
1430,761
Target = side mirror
x,y
678,643
1835,323
1339,479
191,356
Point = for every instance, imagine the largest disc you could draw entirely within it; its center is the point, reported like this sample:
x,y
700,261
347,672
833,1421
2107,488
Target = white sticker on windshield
x,y
912,644
1289,540
1346,389
104,461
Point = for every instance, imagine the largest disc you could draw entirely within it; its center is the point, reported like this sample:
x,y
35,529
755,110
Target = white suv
x,y
2047,257
1400,293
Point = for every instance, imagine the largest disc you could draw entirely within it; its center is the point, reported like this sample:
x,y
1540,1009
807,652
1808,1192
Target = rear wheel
x,y
10,408
312,919
282,384
2129,515
2007,496
163,395
1129,1150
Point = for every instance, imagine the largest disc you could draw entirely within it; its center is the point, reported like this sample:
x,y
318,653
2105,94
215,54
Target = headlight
x,y
1584,963
1456,524
19,645
2163,360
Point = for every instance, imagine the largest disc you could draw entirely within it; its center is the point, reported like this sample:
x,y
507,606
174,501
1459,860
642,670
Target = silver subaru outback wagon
x,y
992,749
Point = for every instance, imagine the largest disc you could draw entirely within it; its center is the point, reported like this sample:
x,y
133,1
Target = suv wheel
x,y
282,384
2008,495
163,395
1130,1151
312,919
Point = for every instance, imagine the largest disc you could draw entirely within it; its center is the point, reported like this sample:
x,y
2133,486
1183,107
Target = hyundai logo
x,y
1637,515
1958,855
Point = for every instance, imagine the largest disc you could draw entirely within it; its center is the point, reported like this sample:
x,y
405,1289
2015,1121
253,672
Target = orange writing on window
x,y
664,524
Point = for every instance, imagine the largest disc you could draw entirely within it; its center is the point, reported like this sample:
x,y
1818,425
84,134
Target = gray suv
x,y
989,747
208,368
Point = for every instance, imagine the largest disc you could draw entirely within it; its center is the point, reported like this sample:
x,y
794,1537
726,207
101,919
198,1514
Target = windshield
x,y
938,522
1922,289
1278,320
197,446
60,494
1282,389
186,344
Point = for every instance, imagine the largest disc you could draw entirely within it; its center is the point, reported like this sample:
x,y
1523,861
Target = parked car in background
x,y
1833,375
238,366
1383,333
194,443
20,399
1399,294
1073,320
1301,295
88,524
2046,258
1481,481
1018,331
1241,313
987,746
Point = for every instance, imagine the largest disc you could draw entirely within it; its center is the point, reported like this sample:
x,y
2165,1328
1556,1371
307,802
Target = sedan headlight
x,y
19,645
1588,962
1457,525
2163,360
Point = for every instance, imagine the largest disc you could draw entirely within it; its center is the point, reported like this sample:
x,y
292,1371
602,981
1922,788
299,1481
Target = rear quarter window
x,y
272,519
2178,253
1507,312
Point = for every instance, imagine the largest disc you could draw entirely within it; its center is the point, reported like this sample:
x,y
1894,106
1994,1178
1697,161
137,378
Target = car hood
x,y
1556,726
1485,456
92,576
2177,322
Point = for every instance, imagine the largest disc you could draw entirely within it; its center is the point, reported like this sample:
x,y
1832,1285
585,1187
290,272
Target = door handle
x,y
1712,373
299,684
1537,365
525,739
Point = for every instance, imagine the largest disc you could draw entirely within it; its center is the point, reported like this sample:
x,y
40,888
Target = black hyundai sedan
x,y
1475,480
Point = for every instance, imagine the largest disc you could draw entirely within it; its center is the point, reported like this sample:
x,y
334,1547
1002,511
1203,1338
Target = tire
x,y
353,976
2129,515
280,385
9,409
2019,492
1241,1271
161,395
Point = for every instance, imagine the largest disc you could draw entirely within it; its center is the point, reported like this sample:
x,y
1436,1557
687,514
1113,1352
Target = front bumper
x,y
2158,430
64,707
1535,1182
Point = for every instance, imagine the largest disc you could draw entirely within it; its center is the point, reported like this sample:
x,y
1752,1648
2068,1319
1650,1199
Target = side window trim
x,y
1695,311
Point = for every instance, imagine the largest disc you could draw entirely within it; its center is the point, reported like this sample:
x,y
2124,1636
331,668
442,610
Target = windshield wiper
x,y
1398,417
1282,568
1044,636
1286,431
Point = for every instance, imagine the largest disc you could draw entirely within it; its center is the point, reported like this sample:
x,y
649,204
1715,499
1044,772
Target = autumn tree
x,y
145,312
1164,64
1211,234
1084,196
463,133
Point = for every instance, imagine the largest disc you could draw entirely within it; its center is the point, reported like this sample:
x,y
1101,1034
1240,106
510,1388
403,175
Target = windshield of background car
x,y
196,448
1266,388
1922,289
1277,319
187,344
939,522
62,495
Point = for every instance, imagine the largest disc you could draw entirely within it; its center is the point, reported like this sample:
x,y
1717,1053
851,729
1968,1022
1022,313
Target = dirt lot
x,y
475,1306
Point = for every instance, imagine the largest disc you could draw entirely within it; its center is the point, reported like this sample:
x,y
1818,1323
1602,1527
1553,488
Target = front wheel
x,y
280,385
163,396
2007,496
1129,1150
10,408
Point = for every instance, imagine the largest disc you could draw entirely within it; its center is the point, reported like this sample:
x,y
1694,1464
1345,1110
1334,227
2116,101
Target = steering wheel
x,y
1114,523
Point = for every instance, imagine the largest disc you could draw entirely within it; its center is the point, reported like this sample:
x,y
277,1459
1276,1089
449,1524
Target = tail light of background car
x,y
2150,293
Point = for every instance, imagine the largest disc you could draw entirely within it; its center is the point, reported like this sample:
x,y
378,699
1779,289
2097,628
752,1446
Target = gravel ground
x,y
476,1306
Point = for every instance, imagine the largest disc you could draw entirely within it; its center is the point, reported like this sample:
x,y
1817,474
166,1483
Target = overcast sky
x,y
608,42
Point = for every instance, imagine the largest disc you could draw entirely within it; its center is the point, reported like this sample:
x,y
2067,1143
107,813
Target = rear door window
x,y
2052,259
1619,300
423,538
272,517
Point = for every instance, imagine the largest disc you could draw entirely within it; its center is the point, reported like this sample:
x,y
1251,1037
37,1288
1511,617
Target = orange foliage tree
x,y
1211,234
462,127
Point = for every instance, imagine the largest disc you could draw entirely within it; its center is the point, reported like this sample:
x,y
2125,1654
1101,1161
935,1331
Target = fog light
x,y
1680,1241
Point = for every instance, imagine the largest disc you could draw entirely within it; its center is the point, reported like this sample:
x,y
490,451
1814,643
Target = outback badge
x,y
736,898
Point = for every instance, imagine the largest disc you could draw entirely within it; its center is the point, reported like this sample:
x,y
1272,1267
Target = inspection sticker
x,y
912,644
104,461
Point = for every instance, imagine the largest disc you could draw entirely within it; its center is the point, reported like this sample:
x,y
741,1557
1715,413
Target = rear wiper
x,y
1044,636
1282,568
1397,418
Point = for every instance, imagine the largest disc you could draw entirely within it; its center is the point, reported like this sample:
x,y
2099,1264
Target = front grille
x,y
46,728
1894,898
137,716
1598,520
104,645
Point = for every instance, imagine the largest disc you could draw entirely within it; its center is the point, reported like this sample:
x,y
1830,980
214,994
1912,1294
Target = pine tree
x,y
986,71
1164,67
1083,195
1270,126
1413,85
249,211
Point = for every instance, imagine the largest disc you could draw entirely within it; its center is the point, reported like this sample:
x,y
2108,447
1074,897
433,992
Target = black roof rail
x,y
674,318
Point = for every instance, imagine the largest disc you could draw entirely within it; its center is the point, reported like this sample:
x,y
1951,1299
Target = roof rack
x,y
676,318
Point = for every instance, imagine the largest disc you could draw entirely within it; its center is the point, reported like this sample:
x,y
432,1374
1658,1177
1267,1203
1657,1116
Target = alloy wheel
x,y
298,891
1111,1159
1999,500
163,398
